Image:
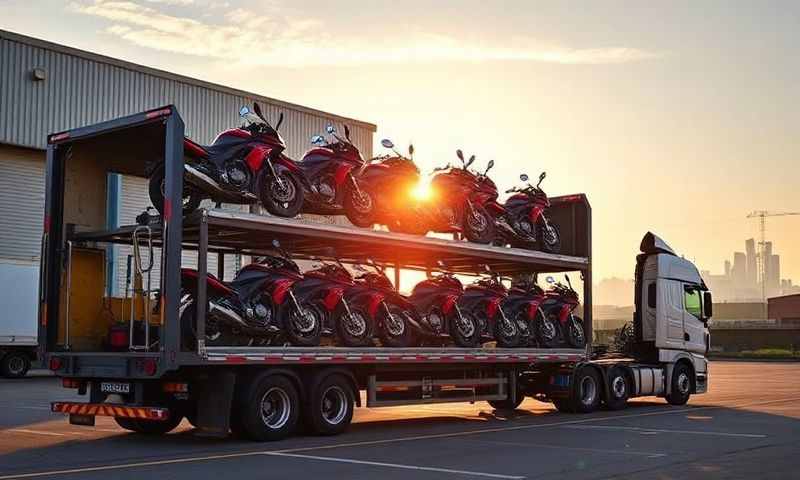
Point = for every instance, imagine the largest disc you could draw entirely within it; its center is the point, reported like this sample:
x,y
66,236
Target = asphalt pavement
x,y
747,426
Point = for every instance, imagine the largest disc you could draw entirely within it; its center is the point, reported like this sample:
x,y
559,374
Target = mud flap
x,y
214,400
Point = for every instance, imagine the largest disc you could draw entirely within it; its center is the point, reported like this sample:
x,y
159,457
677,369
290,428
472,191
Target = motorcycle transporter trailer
x,y
153,381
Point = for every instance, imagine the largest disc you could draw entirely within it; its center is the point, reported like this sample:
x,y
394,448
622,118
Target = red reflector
x,y
118,338
55,363
158,113
149,367
176,387
70,383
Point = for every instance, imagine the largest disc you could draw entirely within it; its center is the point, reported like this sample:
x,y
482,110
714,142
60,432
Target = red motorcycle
x,y
243,165
522,222
558,306
330,168
523,306
483,299
384,185
457,204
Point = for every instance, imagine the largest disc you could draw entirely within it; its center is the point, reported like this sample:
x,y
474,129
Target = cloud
x,y
244,37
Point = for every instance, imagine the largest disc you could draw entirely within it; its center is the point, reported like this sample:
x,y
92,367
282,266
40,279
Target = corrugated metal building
x,y
46,87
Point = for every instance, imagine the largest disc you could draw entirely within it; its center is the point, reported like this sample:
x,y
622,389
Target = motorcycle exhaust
x,y
212,187
226,315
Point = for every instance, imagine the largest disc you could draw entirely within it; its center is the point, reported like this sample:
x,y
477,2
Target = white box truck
x,y
18,318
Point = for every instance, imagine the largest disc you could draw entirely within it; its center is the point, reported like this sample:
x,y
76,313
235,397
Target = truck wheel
x,y
681,385
585,394
269,408
149,427
618,389
507,404
15,365
330,406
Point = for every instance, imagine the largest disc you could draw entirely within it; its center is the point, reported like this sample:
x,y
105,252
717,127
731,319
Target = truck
x,y
151,380
18,328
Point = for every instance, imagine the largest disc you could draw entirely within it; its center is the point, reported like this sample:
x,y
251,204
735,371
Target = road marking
x,y
396,465
578,449
380,442
661,430
36,432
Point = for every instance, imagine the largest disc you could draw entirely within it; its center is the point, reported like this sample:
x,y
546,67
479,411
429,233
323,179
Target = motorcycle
x,y
321,307
394,316
436,301
523,305
456,205
243,165
244,310
384,184
483,299
558,307
521,221
330,169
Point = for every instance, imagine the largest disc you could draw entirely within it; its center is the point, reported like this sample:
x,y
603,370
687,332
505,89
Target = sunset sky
x,y
679,118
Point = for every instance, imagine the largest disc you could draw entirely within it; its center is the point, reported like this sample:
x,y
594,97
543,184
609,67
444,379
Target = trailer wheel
x,y
618,389
507,404
330,406
149,427
681,385
585,393
269,408
15,365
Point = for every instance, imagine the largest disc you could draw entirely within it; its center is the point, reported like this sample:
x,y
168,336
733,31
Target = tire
x,y
509,336
576,335
681,385
507,404
546,329
149,427
281,201
468,334
548,243
191,196
471,223
586,392
216,335
355,331
268,408
330,407
304,332
618,389
15,365
359,208
397,335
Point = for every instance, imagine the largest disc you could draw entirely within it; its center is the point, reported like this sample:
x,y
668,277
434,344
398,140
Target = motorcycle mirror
x,y
487,268
329,251
470,161
317,140
550,279
370,261
330,129
347,132
387,143
489,166
276,243
568,282
440,263
257,111
243,111
460,155
542,176
524,177
280,120
411,149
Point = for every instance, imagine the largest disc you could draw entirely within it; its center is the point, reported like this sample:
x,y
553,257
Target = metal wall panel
x,y
21,203
82,88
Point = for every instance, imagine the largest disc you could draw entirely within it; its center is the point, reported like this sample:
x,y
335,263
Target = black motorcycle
x,y
522,222
483,299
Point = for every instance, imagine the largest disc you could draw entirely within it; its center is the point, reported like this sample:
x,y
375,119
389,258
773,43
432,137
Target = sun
x,y
422,190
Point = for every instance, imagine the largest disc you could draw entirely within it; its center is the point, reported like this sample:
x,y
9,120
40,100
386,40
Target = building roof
x,y
38,43
782,298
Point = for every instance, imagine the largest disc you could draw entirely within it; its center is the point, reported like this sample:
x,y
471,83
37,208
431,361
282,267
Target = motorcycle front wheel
x,y
549,237
354,329
576,335
282,196
478,225
547,330
507,333
304,329
465,330
395,328
359,206
157,190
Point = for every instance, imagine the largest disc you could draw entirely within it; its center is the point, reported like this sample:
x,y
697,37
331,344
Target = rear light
x,y
118,337
158,113
55,363
149,367
175,387
70,383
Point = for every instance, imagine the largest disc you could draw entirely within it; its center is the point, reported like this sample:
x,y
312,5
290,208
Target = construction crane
x,y
762,260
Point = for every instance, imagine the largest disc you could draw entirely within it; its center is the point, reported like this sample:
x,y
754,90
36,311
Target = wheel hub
x,y
618,387
683,383
334,405
465,326
394,324
282,191
588,391
355,324
275,408
476,221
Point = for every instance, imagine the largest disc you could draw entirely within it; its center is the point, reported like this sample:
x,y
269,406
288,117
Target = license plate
x,y
115,387
82,420
561,380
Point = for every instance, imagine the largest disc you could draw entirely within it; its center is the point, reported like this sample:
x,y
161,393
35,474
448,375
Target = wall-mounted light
x,y
38,74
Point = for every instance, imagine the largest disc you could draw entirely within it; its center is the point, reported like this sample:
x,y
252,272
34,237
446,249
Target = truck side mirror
x,y
708,305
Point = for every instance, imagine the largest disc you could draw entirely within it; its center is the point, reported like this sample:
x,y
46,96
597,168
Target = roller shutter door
x,y
22,180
